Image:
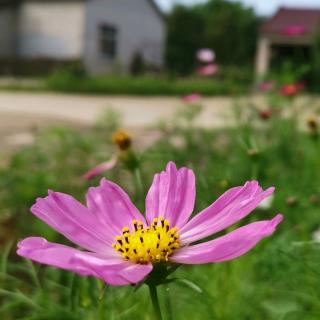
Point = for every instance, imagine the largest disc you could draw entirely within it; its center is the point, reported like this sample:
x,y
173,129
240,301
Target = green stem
x,y
155,301
34,274
254,170
74,288
138,182
168,303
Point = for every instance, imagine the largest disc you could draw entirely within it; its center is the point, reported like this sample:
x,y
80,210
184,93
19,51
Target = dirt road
x,y
20,111
82,109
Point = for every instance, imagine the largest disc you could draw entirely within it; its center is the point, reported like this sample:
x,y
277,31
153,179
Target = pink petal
x,y
111,268
208,70
206,55
228,247
57,255
102,167
231,207
121,274
112,207
266,86
192,98
72,219
171,195
291,89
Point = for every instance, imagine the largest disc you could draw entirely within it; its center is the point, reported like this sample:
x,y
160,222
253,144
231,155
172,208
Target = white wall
x,y
7,31
140,28
52,30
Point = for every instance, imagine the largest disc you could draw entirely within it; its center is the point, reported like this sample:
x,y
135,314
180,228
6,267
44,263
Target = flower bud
x,y
265,114
312,123
313,199
122,139
292,201
253,152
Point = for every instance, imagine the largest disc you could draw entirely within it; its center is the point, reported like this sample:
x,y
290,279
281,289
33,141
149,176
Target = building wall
x,y
140,28
7,31
51,29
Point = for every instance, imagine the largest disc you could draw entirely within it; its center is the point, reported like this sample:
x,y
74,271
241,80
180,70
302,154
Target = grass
x,y
279,279
227,81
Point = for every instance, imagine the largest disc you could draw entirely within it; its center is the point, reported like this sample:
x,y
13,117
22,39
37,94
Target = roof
x,y
292,21
16,2
8,2
157,8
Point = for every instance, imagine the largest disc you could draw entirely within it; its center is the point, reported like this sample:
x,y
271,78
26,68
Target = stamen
x,y
135,225
119,239
154,243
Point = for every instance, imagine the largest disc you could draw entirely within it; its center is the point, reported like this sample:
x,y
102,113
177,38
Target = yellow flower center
x,y
154,243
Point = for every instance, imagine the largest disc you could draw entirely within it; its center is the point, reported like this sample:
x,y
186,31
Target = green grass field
x,y
229,81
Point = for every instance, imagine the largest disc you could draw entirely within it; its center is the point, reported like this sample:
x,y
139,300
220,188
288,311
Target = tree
x,y
229,28
185,36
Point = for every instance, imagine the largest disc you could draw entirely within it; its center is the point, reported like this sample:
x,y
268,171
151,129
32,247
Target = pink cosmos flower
x,y
208,70
294,30
121,245
291,90
266,86
101,168
192,98
206,55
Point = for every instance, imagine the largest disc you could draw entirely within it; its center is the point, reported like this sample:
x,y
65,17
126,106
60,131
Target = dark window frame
x,y
108,40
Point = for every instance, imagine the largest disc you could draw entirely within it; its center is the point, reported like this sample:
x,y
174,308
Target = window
x,y
108,41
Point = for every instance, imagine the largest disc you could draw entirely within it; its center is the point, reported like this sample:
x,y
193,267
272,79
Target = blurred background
x,y
228,88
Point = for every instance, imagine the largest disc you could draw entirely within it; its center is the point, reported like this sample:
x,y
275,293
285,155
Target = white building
x,y
104,34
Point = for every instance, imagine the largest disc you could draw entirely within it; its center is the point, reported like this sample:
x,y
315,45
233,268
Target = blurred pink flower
x,y
121,245
100,168
206,55
291,90
192,98
294,30
266,86
208,70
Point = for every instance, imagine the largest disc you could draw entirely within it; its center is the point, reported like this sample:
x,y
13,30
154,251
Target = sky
x,y
261,7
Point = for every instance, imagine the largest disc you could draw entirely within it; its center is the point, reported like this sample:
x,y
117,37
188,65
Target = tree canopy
x,y
229,28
